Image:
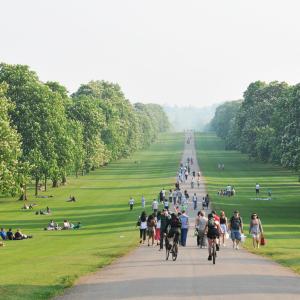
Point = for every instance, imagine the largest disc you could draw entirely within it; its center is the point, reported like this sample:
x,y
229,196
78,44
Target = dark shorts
x,y
212,234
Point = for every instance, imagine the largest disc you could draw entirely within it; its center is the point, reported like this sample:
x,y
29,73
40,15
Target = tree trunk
x,y
76,174
64,179
54,183
45,183
36,185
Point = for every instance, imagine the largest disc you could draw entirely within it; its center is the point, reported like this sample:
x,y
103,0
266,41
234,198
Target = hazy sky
x,y
195,52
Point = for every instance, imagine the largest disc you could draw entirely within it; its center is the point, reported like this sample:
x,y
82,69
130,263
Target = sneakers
x,y
209,257
217,247
237,247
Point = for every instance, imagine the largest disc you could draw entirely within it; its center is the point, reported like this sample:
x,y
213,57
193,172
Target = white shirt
x,y
257,186
131,201
154,204
143,225
166,203
194,198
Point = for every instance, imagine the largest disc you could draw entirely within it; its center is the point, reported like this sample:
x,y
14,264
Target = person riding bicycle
x,y
173,228
212,230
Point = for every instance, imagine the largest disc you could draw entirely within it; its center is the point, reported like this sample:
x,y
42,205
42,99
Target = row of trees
x,y
47,134
265,124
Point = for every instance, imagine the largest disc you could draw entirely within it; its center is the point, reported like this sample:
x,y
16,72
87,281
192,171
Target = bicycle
x,y
171,248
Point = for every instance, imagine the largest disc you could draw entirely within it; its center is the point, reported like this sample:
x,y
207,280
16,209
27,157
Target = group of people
x,y
220,228
65,226
228,191
10,235
161,224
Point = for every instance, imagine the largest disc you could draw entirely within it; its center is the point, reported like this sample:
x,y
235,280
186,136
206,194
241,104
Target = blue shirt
x,y
3,235
184,221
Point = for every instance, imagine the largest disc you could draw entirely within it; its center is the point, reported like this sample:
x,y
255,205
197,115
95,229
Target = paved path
x,y
144,273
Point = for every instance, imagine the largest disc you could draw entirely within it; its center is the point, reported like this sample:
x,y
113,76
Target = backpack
x,y
211,223
235,223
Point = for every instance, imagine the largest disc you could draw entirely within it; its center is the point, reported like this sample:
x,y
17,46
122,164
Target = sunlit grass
x,y
41,267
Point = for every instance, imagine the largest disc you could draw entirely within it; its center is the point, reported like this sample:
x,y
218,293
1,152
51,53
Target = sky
x,y
192,52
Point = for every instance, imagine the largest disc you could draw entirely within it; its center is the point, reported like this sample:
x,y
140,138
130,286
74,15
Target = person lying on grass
x,y
21,236
66,225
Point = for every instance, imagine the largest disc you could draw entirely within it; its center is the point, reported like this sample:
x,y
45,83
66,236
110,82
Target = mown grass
x,y
42,267
280,216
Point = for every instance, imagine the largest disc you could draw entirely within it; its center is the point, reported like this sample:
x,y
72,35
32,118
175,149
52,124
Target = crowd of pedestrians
x,y
169,213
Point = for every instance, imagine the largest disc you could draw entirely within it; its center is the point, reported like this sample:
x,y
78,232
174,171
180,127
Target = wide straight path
x,y
145,274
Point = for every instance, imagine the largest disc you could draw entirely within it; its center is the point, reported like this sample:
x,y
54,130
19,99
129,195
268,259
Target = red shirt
x,y
217,218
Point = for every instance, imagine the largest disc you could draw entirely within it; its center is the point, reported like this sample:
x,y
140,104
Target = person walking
x,y
201,224
195,200
151,229
163,227
157,228
131,203
174,197
257,188
184,227
193,182
142,223
143,201
255,229
170,195
223,226
155,205
236,228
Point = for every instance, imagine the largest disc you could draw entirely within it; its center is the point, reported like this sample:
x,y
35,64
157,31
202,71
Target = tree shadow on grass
x,y
29,292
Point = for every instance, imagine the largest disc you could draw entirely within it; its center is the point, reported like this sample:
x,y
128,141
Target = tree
x,y
10,147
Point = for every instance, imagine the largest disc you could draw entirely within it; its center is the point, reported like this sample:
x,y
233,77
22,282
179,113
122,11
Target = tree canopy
x,y
265,124
46,134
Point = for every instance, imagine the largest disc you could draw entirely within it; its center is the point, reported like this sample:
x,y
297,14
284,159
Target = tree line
x,y
265,124
47,134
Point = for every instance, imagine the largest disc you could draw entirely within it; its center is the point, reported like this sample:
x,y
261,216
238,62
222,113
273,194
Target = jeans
x,y
184,232
143,234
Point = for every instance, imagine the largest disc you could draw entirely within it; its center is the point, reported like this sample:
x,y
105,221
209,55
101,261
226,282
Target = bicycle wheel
x,y
214,253
167,249
174,251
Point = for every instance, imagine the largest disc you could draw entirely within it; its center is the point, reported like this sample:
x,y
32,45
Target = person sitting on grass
x,y
3,234
52,226
66,225
10,234
20,236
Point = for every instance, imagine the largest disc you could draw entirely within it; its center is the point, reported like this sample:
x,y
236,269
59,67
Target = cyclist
x,y
173,228
212,230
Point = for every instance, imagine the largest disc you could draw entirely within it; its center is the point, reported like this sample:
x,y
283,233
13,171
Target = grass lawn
x,y
42,267
280,216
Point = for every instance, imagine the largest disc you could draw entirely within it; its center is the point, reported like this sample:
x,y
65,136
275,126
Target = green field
x,y
42,267
280,216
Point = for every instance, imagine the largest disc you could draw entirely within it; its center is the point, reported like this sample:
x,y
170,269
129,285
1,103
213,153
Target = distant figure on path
x,y
195,199
257,188
236,227
255,229
131,203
